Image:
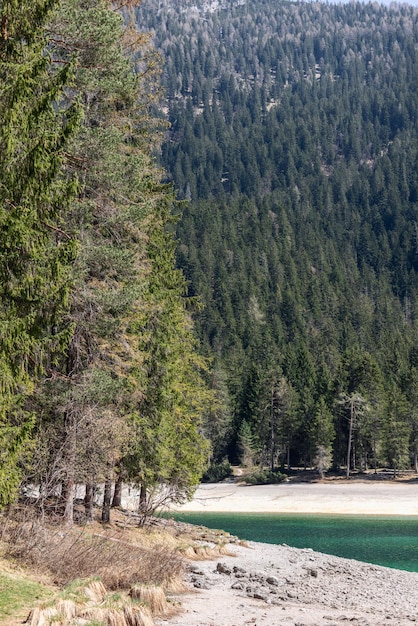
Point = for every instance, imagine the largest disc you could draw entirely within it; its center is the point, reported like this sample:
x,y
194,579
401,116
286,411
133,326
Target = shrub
x,y
67,555
264,477
217,472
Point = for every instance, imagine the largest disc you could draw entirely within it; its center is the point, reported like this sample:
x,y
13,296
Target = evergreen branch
x,y
79,162
56,229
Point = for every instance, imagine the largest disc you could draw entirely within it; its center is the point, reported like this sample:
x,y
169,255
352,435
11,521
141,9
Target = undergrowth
x,y
78,553
116,574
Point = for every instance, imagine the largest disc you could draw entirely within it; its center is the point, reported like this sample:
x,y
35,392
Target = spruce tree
x,y
36,253
169,451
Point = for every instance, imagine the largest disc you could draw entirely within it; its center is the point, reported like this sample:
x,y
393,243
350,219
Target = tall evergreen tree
x,y
35,251
170,452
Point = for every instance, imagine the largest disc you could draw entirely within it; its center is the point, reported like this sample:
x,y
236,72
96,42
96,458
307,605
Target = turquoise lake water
x,y
389,541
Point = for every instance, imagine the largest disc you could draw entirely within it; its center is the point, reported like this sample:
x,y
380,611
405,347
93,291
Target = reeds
x,y
91,602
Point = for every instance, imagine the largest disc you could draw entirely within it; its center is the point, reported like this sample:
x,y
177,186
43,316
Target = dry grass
x,y
152,596
109,610
74,554
121,555
133,568
195,552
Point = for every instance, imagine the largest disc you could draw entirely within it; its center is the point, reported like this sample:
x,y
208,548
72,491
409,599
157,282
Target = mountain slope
x,y
294,139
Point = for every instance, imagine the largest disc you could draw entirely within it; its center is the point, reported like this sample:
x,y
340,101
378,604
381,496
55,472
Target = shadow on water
x,y
384,540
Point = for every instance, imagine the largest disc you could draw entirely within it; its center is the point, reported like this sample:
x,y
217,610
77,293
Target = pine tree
x,y
94,387
170,453
35,252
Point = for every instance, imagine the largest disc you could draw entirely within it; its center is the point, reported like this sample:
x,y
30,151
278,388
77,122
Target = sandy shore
x,y
337,497
277,585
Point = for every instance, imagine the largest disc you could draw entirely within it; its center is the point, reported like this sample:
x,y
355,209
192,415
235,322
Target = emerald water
x,y
389,540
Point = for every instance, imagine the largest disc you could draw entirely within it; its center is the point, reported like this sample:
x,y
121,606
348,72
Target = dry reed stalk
x,y
67,609
93,614
115,618
225,551
42,617
95,591
204,552
189,552
137,616
152,596
176,584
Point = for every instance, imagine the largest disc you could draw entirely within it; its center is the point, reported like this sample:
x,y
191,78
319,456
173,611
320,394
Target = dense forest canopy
x,y
293,140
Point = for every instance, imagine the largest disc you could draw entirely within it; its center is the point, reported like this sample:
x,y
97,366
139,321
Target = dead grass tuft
x,y
223,550
189,552
61,613
198,552
152,596
93,614
119,612
115,618
67,609
176,585
137,616
95,591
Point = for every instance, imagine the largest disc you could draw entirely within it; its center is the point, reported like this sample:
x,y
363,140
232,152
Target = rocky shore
x,y
263,584
277,585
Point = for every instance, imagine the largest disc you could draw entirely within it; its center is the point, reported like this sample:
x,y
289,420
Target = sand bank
x,y
336,497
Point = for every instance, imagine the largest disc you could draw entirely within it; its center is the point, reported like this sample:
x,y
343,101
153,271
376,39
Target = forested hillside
x,y
293,141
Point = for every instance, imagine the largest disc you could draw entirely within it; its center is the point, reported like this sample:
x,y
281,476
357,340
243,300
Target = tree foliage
x,y
129,384
35,252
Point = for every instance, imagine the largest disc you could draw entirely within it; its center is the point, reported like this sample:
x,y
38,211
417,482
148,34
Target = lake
x,y
384,540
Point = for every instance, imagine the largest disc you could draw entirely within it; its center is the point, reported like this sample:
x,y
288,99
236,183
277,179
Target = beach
x,y
275,585
356,497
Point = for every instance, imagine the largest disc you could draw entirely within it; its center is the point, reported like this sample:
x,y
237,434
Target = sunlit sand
x,y
338,497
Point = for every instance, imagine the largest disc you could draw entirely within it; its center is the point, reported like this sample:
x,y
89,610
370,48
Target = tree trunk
x,y
117,495
88,502
68,487
68,491
107,498
143,498
350,437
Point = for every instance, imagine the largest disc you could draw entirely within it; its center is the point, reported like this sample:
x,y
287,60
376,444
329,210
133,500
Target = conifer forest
x,y
208,243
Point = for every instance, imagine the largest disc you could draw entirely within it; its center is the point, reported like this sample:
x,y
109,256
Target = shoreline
x,y
262,584
328,498
277,585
